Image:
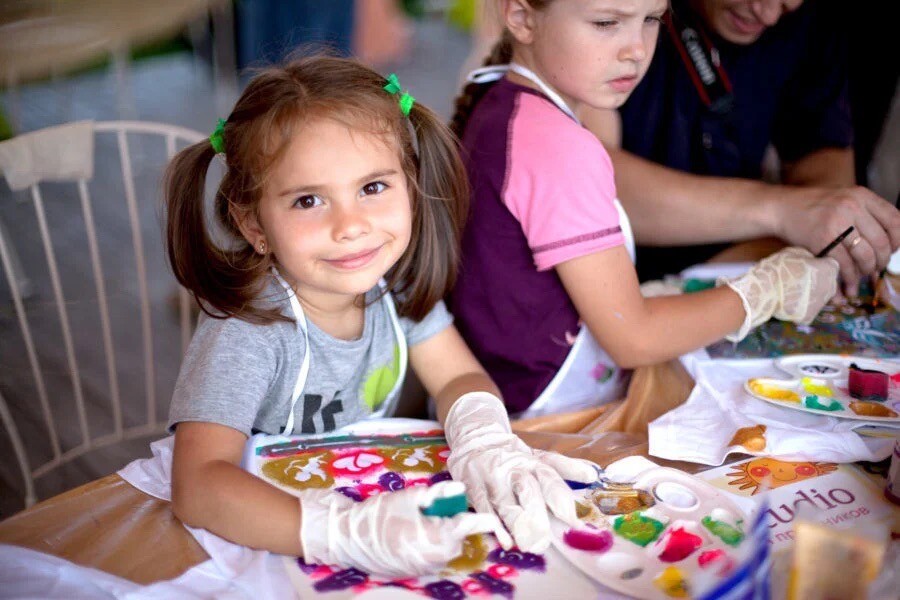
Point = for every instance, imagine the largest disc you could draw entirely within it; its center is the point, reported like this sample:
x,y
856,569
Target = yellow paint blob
x,y
672,583
819,389
474,553
773,392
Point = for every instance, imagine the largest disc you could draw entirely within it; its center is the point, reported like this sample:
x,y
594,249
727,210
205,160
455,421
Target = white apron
x,y
390,402
588,377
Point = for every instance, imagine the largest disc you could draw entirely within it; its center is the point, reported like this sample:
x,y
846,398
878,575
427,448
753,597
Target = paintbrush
x,y
824,251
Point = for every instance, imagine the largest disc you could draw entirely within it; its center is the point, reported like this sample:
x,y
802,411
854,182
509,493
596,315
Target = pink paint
x,y
679,544
588,540
716,559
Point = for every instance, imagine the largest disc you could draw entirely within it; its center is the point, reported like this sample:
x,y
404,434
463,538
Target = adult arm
x,y
670,207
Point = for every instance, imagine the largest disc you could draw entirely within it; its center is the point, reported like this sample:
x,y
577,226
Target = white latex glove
x,y
504,475
791,285
387,534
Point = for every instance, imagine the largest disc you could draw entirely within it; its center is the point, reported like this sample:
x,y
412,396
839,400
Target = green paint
x,y
813,403
638,529
381,381
725,532
447,507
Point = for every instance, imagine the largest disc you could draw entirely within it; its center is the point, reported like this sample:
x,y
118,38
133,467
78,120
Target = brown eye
x,y
376,187
307,202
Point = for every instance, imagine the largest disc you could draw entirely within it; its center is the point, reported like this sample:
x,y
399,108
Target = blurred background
x,y
178,62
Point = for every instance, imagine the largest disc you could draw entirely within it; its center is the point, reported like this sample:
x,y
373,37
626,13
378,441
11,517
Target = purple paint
x,y
350,492
493,585
518,559
445,590
442,476
588,541
392,482
306,567
342,580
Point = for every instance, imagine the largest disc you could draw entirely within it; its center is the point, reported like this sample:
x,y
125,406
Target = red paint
x,y
679,544
716,558
588,540
867,384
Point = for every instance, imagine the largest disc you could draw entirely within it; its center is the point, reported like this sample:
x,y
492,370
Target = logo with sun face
x,y
760,474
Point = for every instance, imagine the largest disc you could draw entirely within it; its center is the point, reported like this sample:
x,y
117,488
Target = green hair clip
x,y
393,87
217,138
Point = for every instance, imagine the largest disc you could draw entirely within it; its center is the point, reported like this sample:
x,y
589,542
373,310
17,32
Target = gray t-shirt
x,y
242,375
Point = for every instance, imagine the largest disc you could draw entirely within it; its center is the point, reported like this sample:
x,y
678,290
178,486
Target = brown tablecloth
x,y
109,525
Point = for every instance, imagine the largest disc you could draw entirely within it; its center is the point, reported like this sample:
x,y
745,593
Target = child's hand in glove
x,y
386,534
507,477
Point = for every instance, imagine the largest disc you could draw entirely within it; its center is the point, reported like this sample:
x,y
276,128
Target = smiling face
x,y
743,21
760,474
591,52
335,211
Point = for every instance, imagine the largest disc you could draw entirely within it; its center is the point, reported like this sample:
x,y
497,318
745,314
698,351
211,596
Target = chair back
x,y
96,325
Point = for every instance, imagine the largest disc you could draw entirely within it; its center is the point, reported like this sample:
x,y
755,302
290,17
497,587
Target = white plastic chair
x,y
59,235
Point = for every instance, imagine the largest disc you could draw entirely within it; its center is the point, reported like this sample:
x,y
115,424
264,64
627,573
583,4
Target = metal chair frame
x,y
121,129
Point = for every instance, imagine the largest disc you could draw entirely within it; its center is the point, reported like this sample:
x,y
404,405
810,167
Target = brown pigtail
x,y
226,280
501,54
427,271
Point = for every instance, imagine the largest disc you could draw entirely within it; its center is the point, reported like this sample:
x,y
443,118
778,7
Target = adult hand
x,y
507,477
813,217
387,534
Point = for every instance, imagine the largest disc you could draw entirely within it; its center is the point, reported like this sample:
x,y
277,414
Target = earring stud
x,y
261,247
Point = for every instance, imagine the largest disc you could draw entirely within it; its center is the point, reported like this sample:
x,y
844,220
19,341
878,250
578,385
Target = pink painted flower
x,y
356,464
502,571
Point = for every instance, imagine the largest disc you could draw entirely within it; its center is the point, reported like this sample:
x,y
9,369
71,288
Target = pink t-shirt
x,y
559,184
542,194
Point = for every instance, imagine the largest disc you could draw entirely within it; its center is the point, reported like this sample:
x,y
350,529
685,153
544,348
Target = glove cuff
x,y
318,509
747,325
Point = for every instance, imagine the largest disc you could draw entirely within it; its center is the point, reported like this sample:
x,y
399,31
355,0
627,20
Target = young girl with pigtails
x,y
341,208
548,298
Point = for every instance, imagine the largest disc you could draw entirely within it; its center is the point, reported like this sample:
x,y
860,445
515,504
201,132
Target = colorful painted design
x,y
638,528
871,409
378,385
518,559
866,333
302,472
760,474
672,583
813,403
773,392
677,544
430,459
362,466
590,541
816,387
724,531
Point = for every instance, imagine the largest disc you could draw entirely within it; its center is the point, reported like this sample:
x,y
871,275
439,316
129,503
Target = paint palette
x,y
837,386
654,551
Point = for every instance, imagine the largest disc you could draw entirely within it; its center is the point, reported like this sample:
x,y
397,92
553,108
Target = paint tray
x,y
654,551
845,387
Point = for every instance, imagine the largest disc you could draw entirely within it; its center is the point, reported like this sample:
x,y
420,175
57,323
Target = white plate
x,y
824,376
